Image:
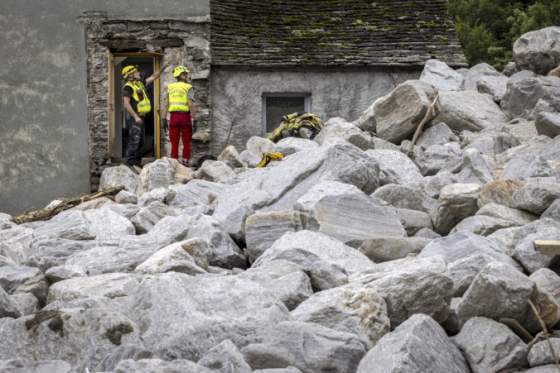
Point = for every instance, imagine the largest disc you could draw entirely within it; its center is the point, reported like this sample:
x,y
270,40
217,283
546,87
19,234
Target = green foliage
x,y
487,29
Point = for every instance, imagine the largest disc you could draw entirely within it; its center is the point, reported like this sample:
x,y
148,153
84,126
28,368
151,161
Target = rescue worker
x,y
137,105
179,103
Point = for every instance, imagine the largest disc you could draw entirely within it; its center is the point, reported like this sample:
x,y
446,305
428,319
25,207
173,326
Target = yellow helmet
x,y
128,70
179,70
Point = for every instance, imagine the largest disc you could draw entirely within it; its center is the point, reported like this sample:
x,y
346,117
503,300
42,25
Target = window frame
x,y
265,96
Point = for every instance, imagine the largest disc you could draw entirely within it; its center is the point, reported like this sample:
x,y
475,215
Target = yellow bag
x,y
269,157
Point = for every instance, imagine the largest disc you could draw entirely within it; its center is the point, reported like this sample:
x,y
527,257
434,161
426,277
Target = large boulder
x,y
190,257
417,345
157,365
441,76
386,248
216,307
8,307
437,157
405,197
469,110
476,73
436,134
147,217
538,51
28,366
396,167
119,176
225,358
344,212
522,95
456,202
541,354
216,171
515,216
498,191
306,346
352,309
158,174
399,113
536,197
263,228
337,128
490,346
548,124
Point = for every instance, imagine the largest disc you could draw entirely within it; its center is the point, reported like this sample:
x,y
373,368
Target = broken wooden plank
x,y
547,247
65,204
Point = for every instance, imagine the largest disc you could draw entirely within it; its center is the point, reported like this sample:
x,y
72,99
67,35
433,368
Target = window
x,y
276,105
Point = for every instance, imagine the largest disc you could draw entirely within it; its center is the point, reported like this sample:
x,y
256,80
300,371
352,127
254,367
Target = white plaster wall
x,y
237,97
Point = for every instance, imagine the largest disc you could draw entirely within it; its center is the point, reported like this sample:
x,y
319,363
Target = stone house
x,y
253,61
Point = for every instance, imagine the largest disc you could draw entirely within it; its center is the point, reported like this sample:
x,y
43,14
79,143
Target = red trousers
x,y
180,126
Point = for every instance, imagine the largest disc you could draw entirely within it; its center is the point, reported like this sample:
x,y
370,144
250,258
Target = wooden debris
x,y
431,113
65,204
547,247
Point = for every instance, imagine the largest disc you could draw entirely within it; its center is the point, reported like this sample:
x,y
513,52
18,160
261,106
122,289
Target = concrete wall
x,y
43,125
237,96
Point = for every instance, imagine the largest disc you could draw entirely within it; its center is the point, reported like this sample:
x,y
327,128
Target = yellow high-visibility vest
x,y
179,96
144,106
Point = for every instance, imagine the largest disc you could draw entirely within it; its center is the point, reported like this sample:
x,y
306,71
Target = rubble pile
x,y
359,251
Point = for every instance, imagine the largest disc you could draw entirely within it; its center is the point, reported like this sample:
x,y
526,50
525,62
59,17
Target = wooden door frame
x,y
157,99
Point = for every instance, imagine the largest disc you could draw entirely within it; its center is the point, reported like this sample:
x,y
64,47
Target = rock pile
x,y
349,255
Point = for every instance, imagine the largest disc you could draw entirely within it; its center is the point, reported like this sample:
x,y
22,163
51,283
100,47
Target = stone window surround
x,y
104,35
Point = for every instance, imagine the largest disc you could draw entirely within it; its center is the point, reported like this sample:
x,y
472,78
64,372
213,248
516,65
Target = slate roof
x,y
332,33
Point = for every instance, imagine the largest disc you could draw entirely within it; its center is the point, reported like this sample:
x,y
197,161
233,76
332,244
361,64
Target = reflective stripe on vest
x,y
139,95
179,96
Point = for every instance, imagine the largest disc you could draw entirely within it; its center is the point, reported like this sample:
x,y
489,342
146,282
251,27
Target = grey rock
x,y
498,291
526,254
8,308
286,280
405,197
277,188
162,195
216,307
258,145
196,193
47,253
482,224
427,233
119,176
490,346
383,249
124,196
469,110
23,279
553,368
474,168
224,252
536,197
291,145
456,202
120,353
540,353
494,86
414,221
127,210
441,76
366,121
461,245
548,282
147,217
231,157
263,228
398,114
400,289
515,216
345,213
477,73
79,336
112,285
437,134
337,128
499,192
279,370
548,124
434,184
28,366
215,171
160,366
396,166
225,358
383,144
522,95
510,68
190,257
325,349
538,50
437,157
417,345
490,142
64,272
26,303
463,271
508,239
553,211
351,309
158,174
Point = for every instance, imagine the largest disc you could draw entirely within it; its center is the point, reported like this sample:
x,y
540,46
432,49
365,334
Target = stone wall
x,y
180,41
237,96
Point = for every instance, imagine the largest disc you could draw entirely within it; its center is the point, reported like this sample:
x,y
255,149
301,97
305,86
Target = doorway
x,y
147,64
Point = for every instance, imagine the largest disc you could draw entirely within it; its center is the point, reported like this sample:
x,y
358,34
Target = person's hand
x,y
138,120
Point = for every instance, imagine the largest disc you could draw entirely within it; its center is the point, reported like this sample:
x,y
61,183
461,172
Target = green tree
x,y
487,29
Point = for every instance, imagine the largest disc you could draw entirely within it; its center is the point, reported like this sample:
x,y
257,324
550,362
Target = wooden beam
x,y
547,247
